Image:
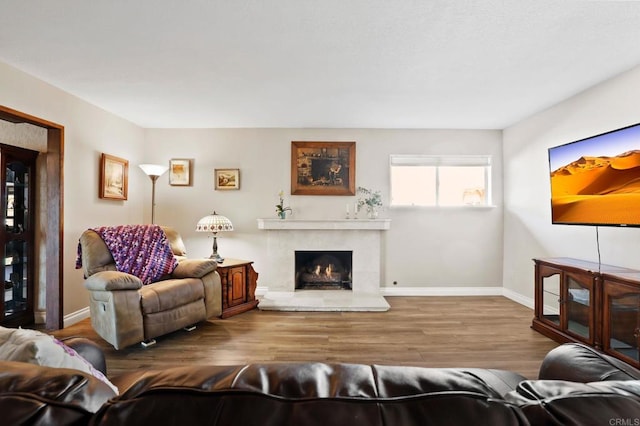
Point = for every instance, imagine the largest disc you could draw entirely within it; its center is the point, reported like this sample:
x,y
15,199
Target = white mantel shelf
x,y
321,224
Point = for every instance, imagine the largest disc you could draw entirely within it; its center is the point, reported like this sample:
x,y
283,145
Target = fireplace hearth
x,y
323,270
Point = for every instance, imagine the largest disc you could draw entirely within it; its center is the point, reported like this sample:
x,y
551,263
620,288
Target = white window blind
x,y
440,180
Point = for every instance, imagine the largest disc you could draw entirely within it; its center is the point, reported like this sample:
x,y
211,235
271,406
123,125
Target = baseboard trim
x,y
518,298
75,317
441,291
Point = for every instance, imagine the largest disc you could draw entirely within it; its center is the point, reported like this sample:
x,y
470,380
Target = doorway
x,y
53,229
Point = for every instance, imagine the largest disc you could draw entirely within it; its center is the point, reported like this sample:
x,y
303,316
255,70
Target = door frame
x,y
54,247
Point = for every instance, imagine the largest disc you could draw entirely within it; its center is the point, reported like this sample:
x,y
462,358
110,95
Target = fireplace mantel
x,y
361,236
320,224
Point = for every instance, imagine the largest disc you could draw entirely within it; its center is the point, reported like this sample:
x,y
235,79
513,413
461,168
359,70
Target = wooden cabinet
x,y
621,315
580,301
239,281
565,300
17,204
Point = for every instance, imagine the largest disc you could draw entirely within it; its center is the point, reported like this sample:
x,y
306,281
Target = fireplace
x,y
323,270
362,238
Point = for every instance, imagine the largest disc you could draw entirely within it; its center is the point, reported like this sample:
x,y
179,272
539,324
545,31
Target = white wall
x,y
528,232
89,131
424,248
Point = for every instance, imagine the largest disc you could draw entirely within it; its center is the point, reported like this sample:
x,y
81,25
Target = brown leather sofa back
x,y
326,394
581,363
559,402
307,394
36,395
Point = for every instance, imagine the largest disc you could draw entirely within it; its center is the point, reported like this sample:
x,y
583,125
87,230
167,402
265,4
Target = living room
x,y
426,251
558,88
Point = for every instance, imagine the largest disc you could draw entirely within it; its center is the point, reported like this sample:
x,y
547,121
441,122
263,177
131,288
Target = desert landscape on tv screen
x,y
597,180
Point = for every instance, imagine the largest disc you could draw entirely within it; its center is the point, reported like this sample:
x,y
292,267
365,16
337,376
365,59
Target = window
x,y
440,180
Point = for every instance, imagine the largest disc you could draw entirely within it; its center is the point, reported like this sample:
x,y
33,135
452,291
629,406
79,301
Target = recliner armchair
x,y
125,312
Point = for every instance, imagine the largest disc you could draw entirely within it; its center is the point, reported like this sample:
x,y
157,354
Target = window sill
x,y
483,207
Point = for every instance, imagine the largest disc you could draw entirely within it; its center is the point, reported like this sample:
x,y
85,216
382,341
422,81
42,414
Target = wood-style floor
x,y
489,332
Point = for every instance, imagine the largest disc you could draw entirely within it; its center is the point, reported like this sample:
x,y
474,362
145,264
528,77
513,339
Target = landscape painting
x,y
597,180
114,177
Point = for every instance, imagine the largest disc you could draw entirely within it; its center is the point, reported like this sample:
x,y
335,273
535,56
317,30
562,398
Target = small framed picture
x,y
180,172
114,177
227,179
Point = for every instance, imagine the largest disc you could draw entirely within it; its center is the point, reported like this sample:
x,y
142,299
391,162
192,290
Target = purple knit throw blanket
x,y
140,250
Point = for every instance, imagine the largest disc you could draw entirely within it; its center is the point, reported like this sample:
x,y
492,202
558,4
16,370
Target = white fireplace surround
x,y
362,237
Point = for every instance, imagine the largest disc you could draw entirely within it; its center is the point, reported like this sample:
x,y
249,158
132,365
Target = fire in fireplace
x,y
323,270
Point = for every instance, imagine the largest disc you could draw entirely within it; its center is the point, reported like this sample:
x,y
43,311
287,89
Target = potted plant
x,y
371,200
281,209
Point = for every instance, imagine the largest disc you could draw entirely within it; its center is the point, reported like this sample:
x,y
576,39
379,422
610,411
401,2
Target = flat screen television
x,y
596,181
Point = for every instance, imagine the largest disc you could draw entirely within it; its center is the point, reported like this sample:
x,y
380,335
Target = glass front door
x,y
623,333
578,308
16,237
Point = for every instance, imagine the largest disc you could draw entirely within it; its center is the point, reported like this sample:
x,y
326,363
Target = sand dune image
x,y
603,190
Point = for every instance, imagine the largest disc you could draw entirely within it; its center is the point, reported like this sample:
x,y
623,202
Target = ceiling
x,y
321,63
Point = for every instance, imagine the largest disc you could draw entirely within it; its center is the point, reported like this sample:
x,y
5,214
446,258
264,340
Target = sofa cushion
x,y
230,408
168,294
35,347
38,395
557,402
321,380
581,363
307,394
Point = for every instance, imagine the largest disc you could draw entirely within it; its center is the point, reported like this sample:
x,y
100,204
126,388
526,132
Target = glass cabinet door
x,y
622,310
16,198
15,277
17,237
578,308
564,304
551,298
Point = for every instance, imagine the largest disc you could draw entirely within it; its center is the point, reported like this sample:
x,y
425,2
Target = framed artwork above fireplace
x,y
323,168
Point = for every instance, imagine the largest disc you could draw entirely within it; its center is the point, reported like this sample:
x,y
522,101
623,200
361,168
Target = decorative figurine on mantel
x,y
281,209
371,199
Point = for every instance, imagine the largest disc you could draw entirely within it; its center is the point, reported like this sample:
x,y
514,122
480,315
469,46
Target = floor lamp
x,y
154,171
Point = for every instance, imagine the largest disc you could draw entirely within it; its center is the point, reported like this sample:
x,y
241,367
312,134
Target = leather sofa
x,y
577,386
125,312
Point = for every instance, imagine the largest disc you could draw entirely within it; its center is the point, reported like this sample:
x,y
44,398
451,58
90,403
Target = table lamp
x,y
214,223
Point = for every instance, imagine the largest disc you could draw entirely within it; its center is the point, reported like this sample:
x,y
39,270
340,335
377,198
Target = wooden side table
x,y
239,281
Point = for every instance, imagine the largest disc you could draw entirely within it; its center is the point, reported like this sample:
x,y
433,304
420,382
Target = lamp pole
x,y
154,171
154,178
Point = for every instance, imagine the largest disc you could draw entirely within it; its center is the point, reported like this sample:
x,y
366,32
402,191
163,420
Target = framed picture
x,y
227,178
323,168
180,172
114,177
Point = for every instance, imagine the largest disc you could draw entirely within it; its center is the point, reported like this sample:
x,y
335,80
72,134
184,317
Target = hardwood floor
x,y
489,332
